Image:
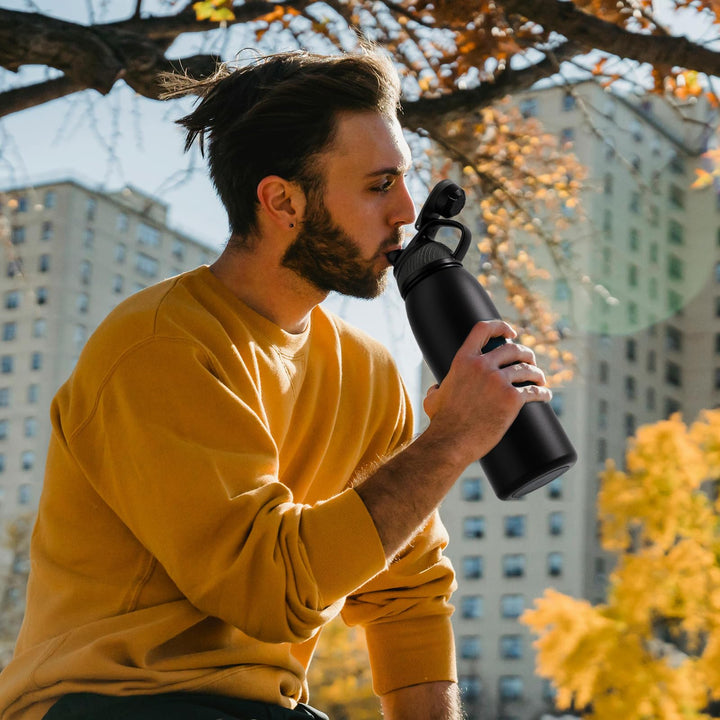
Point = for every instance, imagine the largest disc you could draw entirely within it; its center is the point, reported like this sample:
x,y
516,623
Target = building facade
x,y
70,254
643,312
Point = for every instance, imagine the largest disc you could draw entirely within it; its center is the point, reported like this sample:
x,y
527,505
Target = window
x,y
17,235
651,361
44,263
673,338
513,565
510,687
562,289
91,208
632,275
22,204
511,647
609,149
47,231
118,284
50,199
24,491
568,102
673,374
529,107
120,252
79,336
555,564
2,470
512,606
472,567
567,135
33,392
30,427
470,647
82,302
146,265
14,267
630,391
36,361
676,233
9,331
474,527
85,272
555,489
636,163
677,197
629,422
675,268
650,398
3,429
632,313
631,349
601,450
4,397
178,249
677,164
472,489
12,300
514,525
471,606
89,238
636,130
556,520
634,239
634,205
470,688
121,222
6,363
608,184
148,235
602,415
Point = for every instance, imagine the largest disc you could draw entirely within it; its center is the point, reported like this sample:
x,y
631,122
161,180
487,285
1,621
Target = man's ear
x,y
281,201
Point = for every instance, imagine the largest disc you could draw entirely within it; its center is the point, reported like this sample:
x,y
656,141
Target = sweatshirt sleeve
x,y
406,609
190,468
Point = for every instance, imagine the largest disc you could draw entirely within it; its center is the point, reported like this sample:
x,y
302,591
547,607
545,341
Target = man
x,y
231,466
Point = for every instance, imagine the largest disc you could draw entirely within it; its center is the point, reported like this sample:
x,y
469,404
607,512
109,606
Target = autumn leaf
x,y
214,10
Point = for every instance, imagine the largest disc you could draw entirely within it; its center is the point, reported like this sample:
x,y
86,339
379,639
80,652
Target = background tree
x,y
457,59
339,678
653,649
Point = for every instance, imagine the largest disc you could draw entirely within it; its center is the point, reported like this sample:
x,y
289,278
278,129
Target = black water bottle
x,y
443,302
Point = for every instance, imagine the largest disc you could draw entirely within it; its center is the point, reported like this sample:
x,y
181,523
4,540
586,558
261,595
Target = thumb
x,y
430,403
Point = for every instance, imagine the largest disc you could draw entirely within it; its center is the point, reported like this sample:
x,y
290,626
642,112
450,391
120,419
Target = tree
x,y
457,59
339,677
653,649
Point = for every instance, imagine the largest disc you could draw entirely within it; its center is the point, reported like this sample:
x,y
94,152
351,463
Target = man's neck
x,y
265,285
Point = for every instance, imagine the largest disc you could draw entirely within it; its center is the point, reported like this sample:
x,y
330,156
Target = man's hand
x,y
478,400
429,701
469,413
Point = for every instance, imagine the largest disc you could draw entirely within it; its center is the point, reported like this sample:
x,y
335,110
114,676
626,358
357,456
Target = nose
x,y
404,207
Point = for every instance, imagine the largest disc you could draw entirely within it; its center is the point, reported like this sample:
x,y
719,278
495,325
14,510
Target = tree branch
x,y
590,32
28,96
430,112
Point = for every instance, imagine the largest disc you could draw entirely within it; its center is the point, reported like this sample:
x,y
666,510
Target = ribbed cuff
x,y
410,652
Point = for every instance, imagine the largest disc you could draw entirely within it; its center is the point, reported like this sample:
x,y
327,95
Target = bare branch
x,y
590,32
28,96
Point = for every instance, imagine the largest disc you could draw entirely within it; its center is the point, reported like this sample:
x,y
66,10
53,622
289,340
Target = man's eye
x,y
384,187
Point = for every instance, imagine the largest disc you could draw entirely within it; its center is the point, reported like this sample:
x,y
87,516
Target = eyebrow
x,y
395,170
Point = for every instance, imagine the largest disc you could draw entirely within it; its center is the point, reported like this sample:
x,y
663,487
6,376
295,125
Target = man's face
x,y
356,216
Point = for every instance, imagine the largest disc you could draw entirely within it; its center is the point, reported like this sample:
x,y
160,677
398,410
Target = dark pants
x,y
173,706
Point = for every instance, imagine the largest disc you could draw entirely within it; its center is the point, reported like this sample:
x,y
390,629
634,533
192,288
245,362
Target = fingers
x,y
482,331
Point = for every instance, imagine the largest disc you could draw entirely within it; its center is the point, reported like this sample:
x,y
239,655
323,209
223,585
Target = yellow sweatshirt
x,y
196,527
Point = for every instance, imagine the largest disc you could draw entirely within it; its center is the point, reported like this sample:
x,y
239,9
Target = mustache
x,y
392,241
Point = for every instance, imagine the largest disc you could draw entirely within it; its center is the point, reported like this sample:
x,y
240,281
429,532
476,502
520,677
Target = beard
x,y
328,258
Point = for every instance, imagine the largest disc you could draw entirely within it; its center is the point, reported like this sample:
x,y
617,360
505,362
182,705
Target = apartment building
x,y
646,334
70,254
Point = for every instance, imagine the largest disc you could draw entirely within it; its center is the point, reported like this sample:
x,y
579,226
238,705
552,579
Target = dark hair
x,y
274,116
